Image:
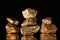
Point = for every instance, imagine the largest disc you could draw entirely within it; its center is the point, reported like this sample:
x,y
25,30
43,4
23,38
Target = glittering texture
x,y
29,13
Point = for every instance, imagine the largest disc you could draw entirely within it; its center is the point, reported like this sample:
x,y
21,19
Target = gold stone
x,y
47,20
11,28
29,13
47,26
29,22
28,38
29,30
48,29
48,37
12,21
12,37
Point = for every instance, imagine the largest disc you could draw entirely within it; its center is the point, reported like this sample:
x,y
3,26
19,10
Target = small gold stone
x,y
47,20
11,28
29,13
13,21
29,30
28,38
48,37
29,22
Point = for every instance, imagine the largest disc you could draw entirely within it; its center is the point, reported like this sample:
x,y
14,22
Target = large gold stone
x,y
12,37
29,30
48,28
29,22
11,28
29,13
28,38
48,37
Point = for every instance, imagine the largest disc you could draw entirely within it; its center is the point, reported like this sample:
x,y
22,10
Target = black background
x,y
14,9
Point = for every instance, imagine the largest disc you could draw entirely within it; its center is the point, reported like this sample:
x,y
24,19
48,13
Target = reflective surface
x,y
12,37
28,38
17,37
48,37
42,37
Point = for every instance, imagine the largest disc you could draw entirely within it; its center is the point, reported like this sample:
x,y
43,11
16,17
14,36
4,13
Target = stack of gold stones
x,y
48,30
29,26
11,29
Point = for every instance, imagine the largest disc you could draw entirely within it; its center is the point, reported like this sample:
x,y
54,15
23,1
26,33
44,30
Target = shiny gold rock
x,y
11,28
47,27
12,37
29,30
12,21
29,22
48,37
29,13
28,38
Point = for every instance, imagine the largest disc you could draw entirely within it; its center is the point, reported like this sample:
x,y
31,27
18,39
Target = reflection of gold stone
x,y
29,13
28,38
47,27
12,37
13,21
29,22
48,37
29,30
11,28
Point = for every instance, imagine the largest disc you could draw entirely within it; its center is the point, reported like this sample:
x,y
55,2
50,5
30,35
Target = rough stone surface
x,y
12,21
29,13
29,22
11,28
29,30
12,37
48,28
47,20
